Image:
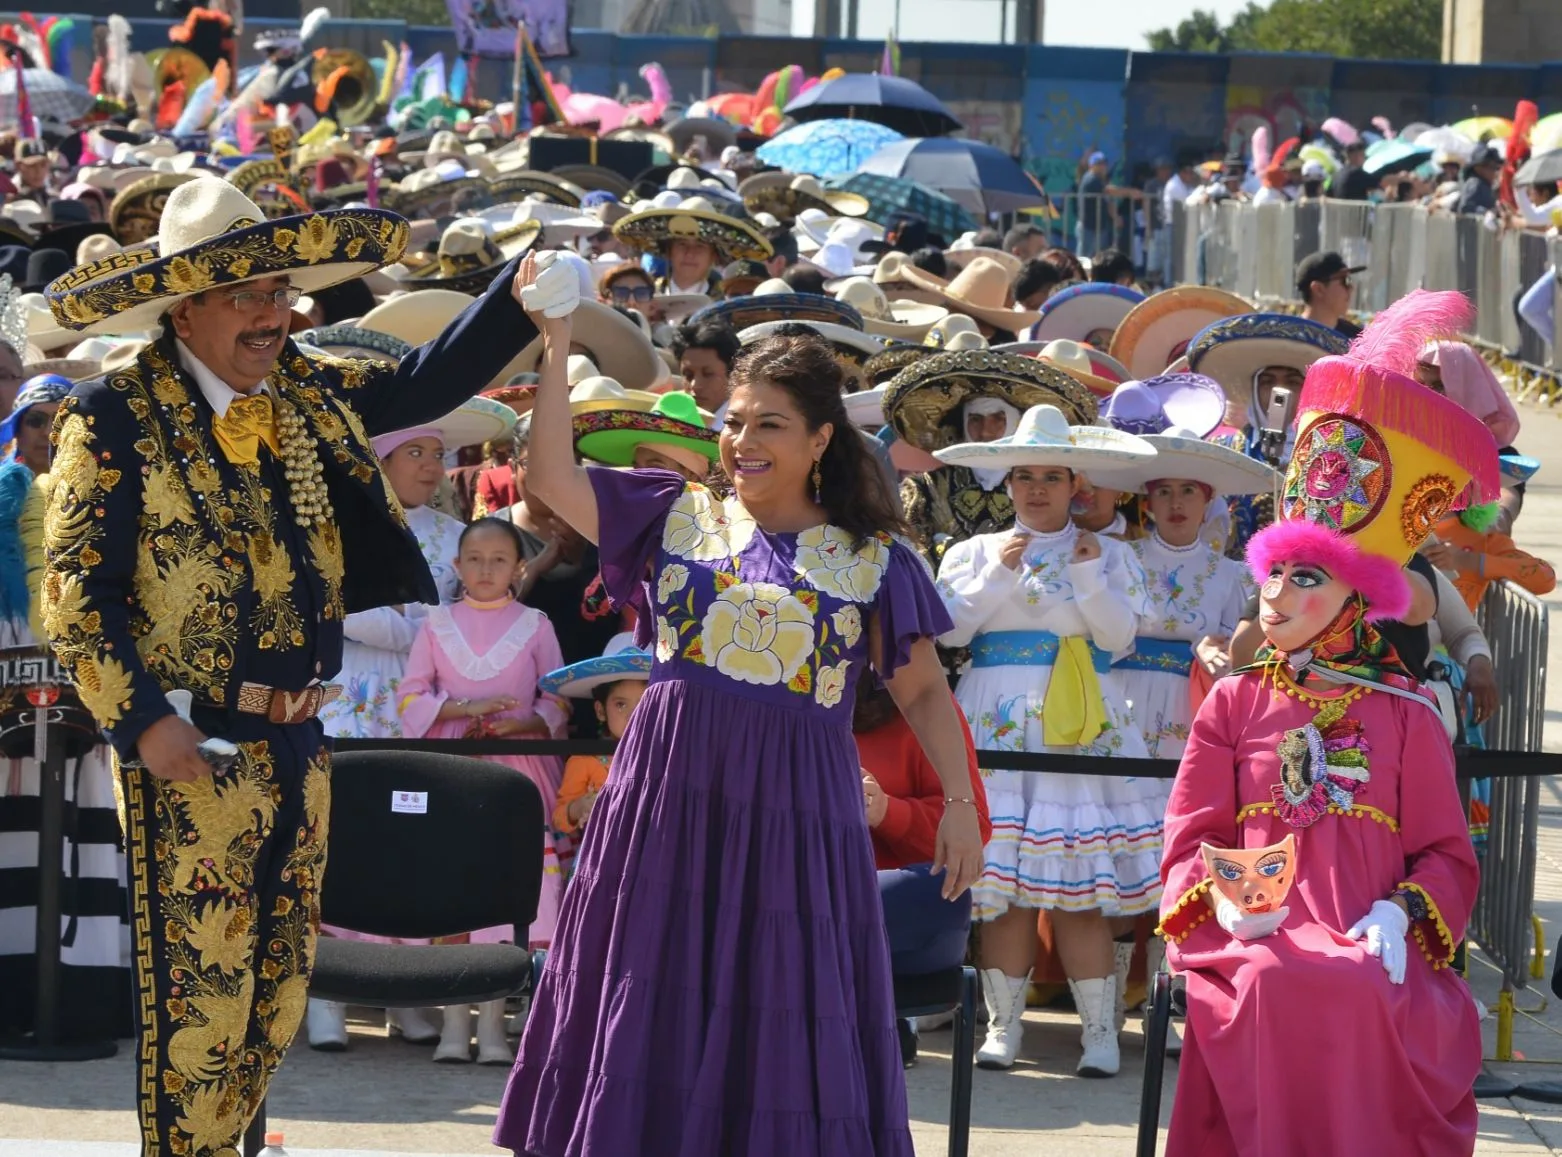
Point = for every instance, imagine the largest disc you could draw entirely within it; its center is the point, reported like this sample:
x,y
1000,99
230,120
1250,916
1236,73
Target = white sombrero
x,y
865,408
1179,453
614,343
843,338
1044,438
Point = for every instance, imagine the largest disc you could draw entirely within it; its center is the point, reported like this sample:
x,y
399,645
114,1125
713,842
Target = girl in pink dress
x,y
1328,1021
473,672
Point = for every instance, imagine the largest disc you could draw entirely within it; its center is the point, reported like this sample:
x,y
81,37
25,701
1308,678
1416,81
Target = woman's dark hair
x,y
1109,265
874,706
852,488
716,336
1034,277
504,526
931,260
805,279
1065,263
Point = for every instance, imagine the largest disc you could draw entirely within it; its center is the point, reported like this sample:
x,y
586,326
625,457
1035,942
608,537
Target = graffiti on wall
x,y
1063,125
1284,113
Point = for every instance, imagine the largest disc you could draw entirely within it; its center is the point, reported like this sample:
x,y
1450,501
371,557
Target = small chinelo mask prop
x,y
1256,880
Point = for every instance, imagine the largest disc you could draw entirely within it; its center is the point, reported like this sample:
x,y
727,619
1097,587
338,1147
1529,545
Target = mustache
x,y
270,334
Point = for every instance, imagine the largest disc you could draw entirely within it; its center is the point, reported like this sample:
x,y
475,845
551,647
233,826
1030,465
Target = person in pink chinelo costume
x,y
1328,1020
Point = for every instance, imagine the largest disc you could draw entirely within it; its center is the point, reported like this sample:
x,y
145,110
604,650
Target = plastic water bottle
x,y
273,1146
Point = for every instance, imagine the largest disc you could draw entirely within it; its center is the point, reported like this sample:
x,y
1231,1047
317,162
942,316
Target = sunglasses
x,y
624,294
37,420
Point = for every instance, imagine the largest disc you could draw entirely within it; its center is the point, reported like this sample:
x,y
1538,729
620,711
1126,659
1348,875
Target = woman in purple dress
x,y
719,982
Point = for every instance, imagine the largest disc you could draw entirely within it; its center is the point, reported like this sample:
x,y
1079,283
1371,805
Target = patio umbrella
x,y
903,105
1540,169
826,148
1388,157
53,97
892,197
980,177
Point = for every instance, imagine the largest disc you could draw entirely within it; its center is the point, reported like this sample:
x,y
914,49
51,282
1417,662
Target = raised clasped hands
x,y
1384,929
549,291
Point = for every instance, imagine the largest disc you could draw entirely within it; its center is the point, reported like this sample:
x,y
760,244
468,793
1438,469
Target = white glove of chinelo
x,y
1247,925
556,292
1384,929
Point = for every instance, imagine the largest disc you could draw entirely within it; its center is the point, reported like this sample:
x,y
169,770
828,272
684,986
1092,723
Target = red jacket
x,y
892,755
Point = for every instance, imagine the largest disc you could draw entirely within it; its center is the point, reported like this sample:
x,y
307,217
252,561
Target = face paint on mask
x,y
1256,880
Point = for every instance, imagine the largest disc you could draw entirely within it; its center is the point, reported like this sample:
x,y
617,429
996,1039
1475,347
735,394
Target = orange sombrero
x,y
1157,331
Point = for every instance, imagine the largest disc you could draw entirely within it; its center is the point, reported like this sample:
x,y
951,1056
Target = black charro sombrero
x,y
428,193
882,367
470,255
784,196
353,341
212,235
594,177
137,210
651,230
773,300
525,184
269,185
923,401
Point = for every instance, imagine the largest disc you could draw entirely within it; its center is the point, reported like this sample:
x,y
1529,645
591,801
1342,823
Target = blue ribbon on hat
x,y
40,390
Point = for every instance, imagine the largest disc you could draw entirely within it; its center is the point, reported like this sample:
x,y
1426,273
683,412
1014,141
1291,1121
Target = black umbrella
x,y
892,101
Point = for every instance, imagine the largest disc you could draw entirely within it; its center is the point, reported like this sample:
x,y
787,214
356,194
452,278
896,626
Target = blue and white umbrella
x,y
826,148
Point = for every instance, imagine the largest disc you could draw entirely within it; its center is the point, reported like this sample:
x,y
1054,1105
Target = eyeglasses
x,y
253,300
623,294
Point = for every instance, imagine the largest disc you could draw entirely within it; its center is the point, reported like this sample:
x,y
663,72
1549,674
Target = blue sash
x,y
1027,649
1172,656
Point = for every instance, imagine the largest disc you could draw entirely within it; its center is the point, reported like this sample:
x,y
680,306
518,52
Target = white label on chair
x,y
412,803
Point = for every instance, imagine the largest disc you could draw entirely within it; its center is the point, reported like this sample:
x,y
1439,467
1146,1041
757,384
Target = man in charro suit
x,y
217,512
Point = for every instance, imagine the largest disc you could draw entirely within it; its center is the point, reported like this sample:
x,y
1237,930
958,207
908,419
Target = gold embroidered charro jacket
x,y
947,506
170,567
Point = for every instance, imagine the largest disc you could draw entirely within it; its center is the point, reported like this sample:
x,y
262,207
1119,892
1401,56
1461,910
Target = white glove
x,y
1246,925
1384,930
556,292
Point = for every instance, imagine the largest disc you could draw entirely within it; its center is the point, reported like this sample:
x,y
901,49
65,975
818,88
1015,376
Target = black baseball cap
x,y
1322,267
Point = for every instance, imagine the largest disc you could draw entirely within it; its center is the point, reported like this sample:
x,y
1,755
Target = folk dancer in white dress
x,y
1044,608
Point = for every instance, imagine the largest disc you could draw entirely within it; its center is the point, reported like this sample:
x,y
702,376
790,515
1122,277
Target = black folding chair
x,y
1168,998
425,845
931,994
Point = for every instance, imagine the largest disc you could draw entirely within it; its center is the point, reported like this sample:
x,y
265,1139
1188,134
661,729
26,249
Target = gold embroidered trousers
x,y
225,877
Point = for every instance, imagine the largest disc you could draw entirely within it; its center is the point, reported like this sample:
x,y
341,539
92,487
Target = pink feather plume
x,y
1261,148
1397,335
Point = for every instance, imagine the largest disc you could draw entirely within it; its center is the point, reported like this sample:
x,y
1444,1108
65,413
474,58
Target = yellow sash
x,y
1072,711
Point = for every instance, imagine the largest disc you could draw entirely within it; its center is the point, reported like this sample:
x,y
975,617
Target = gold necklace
x,y
1286,682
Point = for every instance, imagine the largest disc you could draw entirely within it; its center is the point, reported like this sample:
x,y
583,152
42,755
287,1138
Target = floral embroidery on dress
x,y
702,529
832,684
758,633
1322,765
829,563
666,641
675,576
848,624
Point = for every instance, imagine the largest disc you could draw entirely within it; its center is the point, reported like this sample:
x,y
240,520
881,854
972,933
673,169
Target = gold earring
x,y
818,484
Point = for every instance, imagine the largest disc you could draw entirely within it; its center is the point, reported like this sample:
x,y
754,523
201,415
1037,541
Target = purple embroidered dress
x,y
720,979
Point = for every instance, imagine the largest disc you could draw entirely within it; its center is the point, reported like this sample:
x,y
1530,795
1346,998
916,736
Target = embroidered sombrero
x,y
1180,453
1157,331
211,236
619,660
881,367
784,196
137,210
1081,310
675,421
1100,372
1044,437
352,341
1190,401
470,255
774,300
548,187
923,402
474,422
651,230
1234,350
853,344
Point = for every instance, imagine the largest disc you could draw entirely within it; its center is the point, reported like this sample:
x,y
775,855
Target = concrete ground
x,y
388,1097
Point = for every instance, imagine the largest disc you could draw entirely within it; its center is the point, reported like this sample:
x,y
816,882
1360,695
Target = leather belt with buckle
x,y
285,706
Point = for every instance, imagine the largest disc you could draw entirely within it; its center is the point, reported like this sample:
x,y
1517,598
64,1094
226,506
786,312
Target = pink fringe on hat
x,y
1378,580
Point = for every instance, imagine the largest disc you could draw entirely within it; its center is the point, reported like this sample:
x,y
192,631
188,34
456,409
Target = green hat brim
x,y
610,436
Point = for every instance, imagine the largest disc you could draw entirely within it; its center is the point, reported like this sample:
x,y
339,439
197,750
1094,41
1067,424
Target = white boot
x,y
326,1022
492,1048
1005,999
1122,961
455,1038
1096,1001
413,1025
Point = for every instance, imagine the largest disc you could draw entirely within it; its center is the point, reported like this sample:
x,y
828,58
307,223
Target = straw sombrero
x,y
1080,310
923,401
1044,437
470,255
473,422
619,660
1157,331
616,344
1233,351
774,300
905,320
1100,373
212,236
981,291
651,230
595,394
674,420
784,196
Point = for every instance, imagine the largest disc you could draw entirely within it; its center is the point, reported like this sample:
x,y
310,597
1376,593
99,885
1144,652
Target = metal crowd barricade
x,y
1087,223
1516,626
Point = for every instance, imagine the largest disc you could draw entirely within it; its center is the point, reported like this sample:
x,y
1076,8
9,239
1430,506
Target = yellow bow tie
x,y
248,422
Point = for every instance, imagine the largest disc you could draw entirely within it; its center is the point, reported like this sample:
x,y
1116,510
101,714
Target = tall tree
x,y
1366,29
1200,32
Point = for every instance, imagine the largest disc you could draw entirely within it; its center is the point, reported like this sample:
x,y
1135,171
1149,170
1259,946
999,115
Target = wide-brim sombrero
x,y
137,210
435,197
1234,350
773,193
476,272
718,134
853,343
923,401
132,290
579,680
611,436
735,240
882,367
758,308
1100,372
865,408
949,293
1080,310
550,187
617,346
593,178
1044,437
1157,331
352,341
1226,471
474,422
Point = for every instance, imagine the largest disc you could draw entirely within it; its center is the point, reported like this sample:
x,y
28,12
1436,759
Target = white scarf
x,y
987,477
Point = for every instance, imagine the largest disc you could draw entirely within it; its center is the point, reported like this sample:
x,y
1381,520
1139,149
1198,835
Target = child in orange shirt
x,y
616,680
